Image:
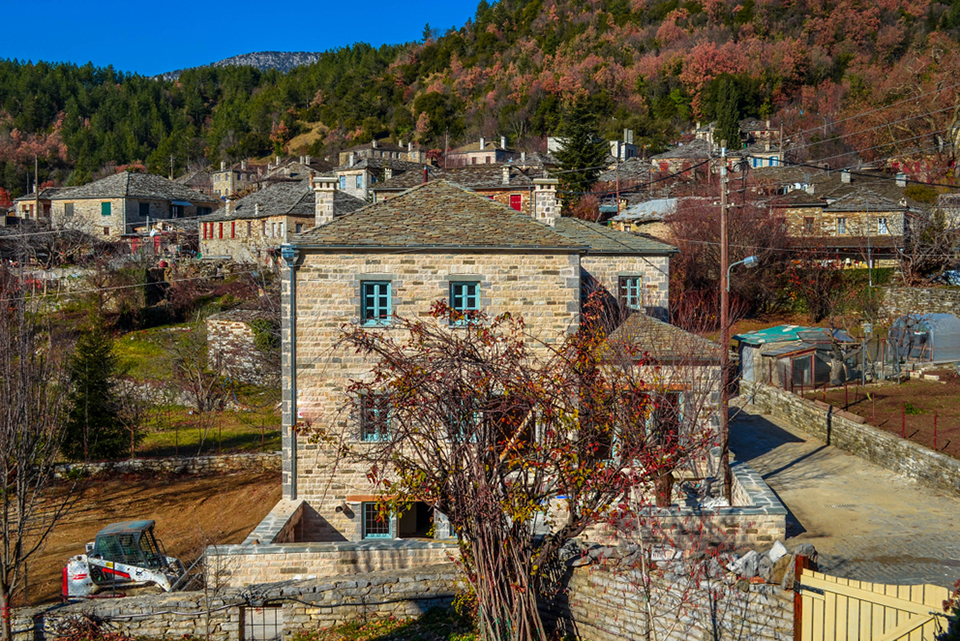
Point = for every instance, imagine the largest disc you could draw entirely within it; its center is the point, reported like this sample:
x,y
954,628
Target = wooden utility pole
x,y
724,333
36,187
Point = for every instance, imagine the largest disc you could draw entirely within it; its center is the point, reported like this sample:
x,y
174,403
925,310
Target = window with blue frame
x,y
375,302
360,181
343,182
375,524
374,418
631,294
465,297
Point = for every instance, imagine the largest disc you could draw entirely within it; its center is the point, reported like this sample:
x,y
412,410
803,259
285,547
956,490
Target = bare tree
x,y
929,247
200,375
32,387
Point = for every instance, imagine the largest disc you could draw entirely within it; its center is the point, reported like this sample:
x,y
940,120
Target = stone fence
x,y
599,603
898,301
848,432
218,464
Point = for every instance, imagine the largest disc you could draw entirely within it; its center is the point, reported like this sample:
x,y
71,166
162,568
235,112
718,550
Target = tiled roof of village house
x,y
438,214
380,163
693,149
601,239
470,176
385,146
631,169
865,200
488,145
662,342
289,198
865,190
133,185
45,194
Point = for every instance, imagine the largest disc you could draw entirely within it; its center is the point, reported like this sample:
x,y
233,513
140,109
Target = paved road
x,y
867,523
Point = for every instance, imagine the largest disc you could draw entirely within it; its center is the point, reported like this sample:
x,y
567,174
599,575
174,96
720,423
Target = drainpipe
x,y
290,257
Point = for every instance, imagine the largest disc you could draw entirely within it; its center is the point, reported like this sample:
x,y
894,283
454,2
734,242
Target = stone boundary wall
x,y
848,432
598,604
219,464
602,604
898,301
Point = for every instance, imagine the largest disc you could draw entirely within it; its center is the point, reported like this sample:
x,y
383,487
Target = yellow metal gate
x,y
829,608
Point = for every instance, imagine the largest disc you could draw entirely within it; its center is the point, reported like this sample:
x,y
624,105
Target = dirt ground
x,y
911,408
191,512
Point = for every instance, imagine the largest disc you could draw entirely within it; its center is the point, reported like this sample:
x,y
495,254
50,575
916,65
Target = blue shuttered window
x,y
376,304
465,297
631,294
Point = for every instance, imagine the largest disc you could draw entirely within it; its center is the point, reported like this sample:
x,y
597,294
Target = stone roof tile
x,y
133,185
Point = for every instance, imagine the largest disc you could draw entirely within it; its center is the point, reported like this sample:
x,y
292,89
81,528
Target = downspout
x,y
290,257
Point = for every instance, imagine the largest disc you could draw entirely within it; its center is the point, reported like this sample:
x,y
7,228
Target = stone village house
x,y
396,257
120,204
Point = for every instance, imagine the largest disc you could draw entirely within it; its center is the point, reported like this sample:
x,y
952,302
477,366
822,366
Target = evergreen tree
x,y
93,427
583,153
728,114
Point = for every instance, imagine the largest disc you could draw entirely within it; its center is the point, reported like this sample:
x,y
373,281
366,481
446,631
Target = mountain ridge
x,y
282,61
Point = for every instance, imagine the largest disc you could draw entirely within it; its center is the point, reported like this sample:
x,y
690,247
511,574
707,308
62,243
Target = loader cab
x,y
131,543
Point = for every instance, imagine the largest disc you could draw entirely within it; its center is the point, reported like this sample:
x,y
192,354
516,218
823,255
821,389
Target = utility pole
x,y
171,166
724,333
36,186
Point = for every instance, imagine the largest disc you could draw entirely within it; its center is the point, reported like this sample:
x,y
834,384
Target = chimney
x,y
301,160
506,174
409,146
766,146
324,188
768,123
503,142
223,165
425,177
308,159
400,142
243,165
353,159
278,161
546,209
698,125
387,173
373,144
229,207
256,209
810,189
845,177
523,158
901,179
483,143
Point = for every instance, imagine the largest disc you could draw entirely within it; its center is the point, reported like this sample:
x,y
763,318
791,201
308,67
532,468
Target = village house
x,y
383,150
122,203
692,156
483,152
25,207
437,241
358,176
199,180
251,229
506,184
236,178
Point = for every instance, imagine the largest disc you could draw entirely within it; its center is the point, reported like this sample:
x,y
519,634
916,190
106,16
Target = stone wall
x,y
653,270
231,342
248,240
202,465
848,432
898,301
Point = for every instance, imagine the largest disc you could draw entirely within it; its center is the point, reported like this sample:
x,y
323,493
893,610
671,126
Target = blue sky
x,y
151,37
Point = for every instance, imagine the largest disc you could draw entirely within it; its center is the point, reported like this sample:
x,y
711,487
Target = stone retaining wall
x,y
898,301
225,463
848,432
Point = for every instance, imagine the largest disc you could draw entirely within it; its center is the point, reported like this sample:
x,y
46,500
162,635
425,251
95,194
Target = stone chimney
x,y
229,206
301,160
223,165
768,123
387,173
243,165
506,174
810,189
503,142
901,179
483,143
353,159
256,209
845,177
523,158
409,146
324,188
278,161
546,209
400,142
373,143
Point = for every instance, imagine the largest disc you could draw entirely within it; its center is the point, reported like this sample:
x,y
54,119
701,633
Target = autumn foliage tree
x,y
522,446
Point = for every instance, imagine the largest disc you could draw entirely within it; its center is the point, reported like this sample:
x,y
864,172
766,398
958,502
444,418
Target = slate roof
x,y
438,214
471,176
663,342
631,169
383,146
865,200
45,194
287,198
133,185
654,210
600,239
488,145
693,149
380,163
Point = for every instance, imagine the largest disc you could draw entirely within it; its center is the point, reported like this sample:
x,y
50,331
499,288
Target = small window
x,y
68,210
249,229
264,229
233,229
343,182
360,181
883,227
841,226
221,230
106,231
808,225
374,418
375,524
630,292
465,297
375,302
299,227
144,210
105,209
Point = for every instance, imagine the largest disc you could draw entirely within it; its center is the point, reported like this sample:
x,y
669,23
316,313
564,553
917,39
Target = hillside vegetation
x,y
655,66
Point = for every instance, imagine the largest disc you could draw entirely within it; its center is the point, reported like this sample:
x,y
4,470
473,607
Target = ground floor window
x,y
262,624
375,524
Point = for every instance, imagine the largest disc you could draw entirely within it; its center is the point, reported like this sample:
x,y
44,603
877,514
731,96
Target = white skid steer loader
x,y
124,555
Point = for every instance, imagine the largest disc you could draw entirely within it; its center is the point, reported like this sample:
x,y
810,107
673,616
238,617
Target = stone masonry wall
x,y
898,301
87,216
654,270
248,240
543,288
847,432
226,463
231,342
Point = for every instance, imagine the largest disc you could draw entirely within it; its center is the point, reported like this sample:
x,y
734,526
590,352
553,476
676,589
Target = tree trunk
x,y
5,632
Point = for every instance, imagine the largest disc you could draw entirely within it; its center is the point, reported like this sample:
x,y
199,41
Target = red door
x,y
515,201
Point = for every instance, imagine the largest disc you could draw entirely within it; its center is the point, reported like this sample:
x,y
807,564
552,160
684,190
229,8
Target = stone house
x,y
691,156
358,177
483,152
26,207
436,241
239,342
236,178
383,150
506,184
251,229
122,203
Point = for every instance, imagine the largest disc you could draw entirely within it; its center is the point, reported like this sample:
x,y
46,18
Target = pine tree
x,y
728,114
93,427
582,155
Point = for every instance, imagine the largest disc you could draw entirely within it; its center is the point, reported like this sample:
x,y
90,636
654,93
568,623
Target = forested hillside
x,y
655,66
